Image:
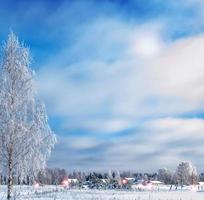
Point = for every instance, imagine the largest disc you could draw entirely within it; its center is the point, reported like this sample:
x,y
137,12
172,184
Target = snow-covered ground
x,y
58,193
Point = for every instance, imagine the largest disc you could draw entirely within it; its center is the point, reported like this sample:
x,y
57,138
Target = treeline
x,y
56,176
184,174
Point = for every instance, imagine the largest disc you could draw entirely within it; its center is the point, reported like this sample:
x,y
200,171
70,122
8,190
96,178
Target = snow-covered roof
x,y
130,179
140,181
156,182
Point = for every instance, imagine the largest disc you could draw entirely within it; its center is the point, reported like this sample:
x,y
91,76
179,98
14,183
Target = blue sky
x,y
122,80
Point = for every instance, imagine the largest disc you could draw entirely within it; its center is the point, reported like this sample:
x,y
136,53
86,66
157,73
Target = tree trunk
x,y
10,178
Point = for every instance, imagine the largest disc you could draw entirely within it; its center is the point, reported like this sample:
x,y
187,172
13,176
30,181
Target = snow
x,y
60,193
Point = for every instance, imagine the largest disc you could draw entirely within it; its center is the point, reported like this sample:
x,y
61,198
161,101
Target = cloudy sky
x,y
123,80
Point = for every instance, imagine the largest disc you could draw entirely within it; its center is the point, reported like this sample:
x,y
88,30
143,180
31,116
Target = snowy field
x,y
58,193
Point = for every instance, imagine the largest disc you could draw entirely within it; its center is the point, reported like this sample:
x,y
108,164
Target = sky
x,y
122,80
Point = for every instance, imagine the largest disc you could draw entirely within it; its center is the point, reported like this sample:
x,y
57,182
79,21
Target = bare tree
x,y
26,139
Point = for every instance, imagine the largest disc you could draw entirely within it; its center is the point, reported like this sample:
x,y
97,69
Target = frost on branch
x,y
26,139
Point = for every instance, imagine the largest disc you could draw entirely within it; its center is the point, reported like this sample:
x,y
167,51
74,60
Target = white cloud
x,y
168,83
100,126
160,142
107,77
157,143
106,88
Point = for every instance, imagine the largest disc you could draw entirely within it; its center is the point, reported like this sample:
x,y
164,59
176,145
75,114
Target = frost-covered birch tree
x,y
165,175
186,173
26,139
